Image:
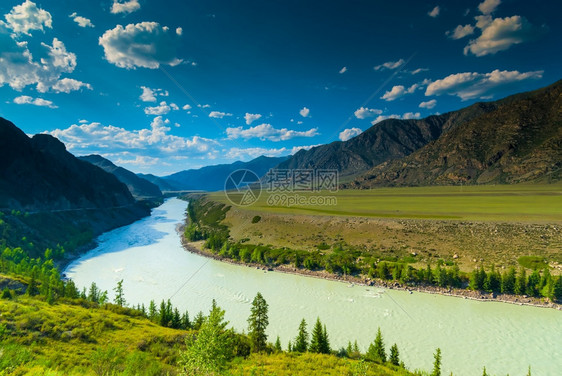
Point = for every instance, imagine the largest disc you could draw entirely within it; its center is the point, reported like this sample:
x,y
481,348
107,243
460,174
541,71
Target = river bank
x,y
197,248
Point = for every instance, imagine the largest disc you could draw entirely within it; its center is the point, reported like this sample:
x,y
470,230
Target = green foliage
x,y
258,322
209,351
532,262
256,219
394,355
119,296
436,363
301,342
376,351
319,342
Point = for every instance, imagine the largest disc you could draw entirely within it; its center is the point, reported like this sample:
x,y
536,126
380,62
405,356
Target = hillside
x,y
388,140
140,188
520,140
49,198
212,178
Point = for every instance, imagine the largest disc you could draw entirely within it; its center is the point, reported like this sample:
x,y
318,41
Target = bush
x,y
256,219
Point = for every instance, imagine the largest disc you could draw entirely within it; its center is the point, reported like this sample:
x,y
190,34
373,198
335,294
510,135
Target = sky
x,y
163,86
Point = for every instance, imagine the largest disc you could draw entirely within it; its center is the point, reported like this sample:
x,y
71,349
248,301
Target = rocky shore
x,y
197,247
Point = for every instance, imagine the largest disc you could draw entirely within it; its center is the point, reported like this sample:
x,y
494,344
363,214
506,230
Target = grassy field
x,y
509,203
470,225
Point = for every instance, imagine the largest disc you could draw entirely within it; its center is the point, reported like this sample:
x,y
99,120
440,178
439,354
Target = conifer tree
x,y
119,295
394,355
277,345
258,322
508,281
436,363
521,282
185,323
376,350
301,342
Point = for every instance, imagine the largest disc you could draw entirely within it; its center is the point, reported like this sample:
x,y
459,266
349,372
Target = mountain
x,y
162,184
387,140
212,178
520,140
140,188
49,198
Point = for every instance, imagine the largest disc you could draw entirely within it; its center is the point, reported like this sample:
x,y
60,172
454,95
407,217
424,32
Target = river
x,y
148,256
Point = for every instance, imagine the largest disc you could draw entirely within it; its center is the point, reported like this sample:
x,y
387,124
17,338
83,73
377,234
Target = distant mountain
x,y
519,140
140,188
49,197
162,184
212,178
387,140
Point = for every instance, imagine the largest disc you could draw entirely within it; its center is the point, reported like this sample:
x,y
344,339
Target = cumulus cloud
x,y
500,34
364,113
488,6
127,6
146,45
460,32
81,21
161,109
343,70
268,132
218,114
349,133
304,112
67,85
27,17
470,85
390,65
25,99
399,91
149,95
406,116
251,153
429,104
250,118
156,141
434,12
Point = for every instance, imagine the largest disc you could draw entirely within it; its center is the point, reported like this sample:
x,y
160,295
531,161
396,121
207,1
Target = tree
x,y
301,342
277,345
508,281
152,311
258,322
484,373
94,293
319,342
198,320
209,352
394,355
185,323
533,284
557,289
437,363
119,296
376,350
521,282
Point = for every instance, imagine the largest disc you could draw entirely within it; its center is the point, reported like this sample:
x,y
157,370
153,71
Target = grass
x,y
509,203
469,225
532,262
69,339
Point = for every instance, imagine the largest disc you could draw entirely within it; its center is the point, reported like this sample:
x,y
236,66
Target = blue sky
x,y
162,86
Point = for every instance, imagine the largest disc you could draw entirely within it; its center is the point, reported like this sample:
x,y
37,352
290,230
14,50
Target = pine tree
x,y
198,321
521,281
533,284
277,345
185,323
119,296
258,322
484,373
394,355
436,363
176,319
508,281
557,289
325,348
152,311
301,342
94,293
376,350
315,342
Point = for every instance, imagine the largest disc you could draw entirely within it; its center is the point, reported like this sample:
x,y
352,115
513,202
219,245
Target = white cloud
x,y
162,109
81,21
429,104
347,134
179,31
460,32
174,106
488,6
399,91
186,107
147,94
500,34
268,132
154,142
434,12
343,70
390,65
406,116
250,118
146,45
24,99
470,85
419,70
218,114
67,85
304,112
27,17
120,6
364,113
251,153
